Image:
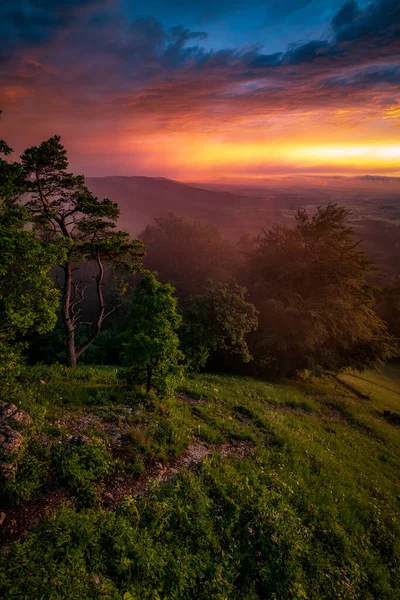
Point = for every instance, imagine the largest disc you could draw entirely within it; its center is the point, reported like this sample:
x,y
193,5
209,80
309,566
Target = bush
x,y
82,466
230,530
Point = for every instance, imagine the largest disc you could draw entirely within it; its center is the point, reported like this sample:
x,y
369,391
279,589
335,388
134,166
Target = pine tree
x,y
61,206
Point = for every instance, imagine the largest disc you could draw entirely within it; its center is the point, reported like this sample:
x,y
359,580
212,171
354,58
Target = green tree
x,y
152,352
28,298
188,254
217,321
61,206
310,285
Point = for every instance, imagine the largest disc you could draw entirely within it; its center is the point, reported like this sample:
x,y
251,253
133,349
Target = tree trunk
x,y
101,311
148,385
67,317
71,354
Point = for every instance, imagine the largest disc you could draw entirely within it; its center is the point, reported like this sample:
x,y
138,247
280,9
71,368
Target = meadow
x,y
233,488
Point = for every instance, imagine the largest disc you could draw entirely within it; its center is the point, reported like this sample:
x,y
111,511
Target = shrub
x,y
82,466
33,464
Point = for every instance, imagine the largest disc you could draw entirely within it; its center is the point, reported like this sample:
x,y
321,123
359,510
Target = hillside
x,y
234,488
141,199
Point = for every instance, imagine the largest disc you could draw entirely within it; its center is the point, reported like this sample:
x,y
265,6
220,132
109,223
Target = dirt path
x,y
19,520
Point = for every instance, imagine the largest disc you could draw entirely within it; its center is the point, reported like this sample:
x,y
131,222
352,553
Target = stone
x,y
7,470
10,415
6,411
2,517
21,418
10,440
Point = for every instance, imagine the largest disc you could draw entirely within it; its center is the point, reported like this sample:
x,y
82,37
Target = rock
x,y
10,415
7,470
10,440
6,411
2,517
21,418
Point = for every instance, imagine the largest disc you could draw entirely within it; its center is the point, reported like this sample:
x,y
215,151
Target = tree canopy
x,y
188,254
217,321
28,297
61,206
310,285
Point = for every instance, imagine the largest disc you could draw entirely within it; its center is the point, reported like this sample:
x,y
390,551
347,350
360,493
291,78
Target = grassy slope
x,y
310,512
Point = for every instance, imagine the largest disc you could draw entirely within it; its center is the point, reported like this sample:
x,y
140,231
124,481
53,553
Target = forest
x,y
184,415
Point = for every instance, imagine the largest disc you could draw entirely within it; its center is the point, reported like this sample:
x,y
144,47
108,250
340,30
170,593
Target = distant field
x,y
235,489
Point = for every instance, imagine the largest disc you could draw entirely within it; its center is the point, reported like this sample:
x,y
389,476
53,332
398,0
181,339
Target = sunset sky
x,y
201,90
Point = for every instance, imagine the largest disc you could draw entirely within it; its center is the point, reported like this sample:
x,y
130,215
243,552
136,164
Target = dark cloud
x,y
356,35
32,22
346,16
383,76
267,60
378,21
307,52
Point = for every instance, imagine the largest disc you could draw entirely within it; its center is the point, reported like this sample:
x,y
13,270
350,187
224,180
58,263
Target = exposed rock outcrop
x,y
10,415
11,439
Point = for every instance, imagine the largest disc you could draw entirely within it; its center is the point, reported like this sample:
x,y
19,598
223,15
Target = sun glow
x,y
343,158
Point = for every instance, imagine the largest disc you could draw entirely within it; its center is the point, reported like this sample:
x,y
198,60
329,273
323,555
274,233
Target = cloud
x,y
346,16
378,21
28,23
87,70
384,76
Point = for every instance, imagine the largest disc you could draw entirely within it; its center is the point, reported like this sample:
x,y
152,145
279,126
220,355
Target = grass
x,y
310,511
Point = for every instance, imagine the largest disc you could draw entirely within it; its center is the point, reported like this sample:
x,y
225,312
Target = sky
x,y
205,90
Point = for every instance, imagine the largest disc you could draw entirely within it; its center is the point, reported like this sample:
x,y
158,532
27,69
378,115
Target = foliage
x,y
308,510
61,206
28,298
33,464
187,254
152,352
217,321
108,349
81,466
316,307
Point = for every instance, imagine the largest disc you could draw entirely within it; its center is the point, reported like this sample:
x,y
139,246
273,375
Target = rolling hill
x,y
142,199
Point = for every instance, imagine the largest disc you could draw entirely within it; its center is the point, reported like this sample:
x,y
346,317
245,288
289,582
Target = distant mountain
x,y
382,178
142,199
238,210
